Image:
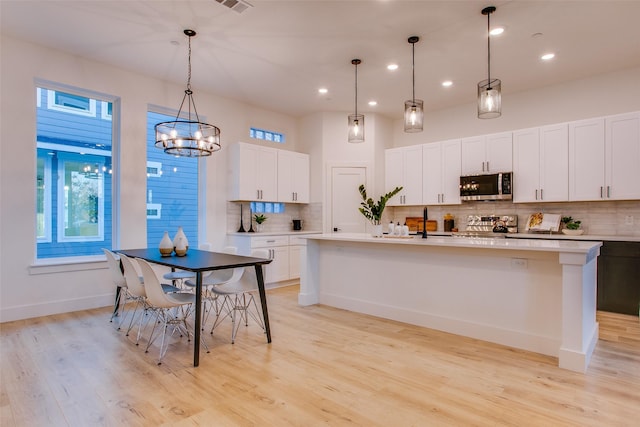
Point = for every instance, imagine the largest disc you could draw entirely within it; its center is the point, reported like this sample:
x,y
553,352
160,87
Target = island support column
x,y
579,326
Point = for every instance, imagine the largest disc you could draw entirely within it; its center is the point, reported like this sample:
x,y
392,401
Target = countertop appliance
x,y
495,186
492,226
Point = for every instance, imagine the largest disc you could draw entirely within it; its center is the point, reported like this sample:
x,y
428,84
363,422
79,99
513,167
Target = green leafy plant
x,y
372,210
260,218
570,223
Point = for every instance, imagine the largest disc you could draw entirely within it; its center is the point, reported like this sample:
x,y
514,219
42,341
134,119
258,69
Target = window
x,y
172,190
266,135
70,103
267,207
73,175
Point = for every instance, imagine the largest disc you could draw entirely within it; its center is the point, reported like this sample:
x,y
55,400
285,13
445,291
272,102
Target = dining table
x,y
199,262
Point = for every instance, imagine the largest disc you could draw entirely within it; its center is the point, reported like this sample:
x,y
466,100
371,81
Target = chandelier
x,y
489,90
356,121
413,109
187,136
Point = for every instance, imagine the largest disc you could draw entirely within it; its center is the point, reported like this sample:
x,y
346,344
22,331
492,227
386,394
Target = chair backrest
x,y
132,276
155,295
233,250
113,261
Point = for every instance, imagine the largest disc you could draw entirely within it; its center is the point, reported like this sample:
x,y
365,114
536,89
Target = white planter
x,y
376,230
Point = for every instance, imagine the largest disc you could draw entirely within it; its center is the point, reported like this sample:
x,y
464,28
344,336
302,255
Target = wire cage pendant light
x,y
187,137
414,108
489,90
356,121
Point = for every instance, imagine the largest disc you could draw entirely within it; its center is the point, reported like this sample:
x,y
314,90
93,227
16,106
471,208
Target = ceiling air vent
x,y
237,5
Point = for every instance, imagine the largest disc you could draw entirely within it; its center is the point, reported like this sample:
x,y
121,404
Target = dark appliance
x,y
495,186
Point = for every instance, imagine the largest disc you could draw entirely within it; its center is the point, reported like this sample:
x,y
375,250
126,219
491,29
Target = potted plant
x,y
259,218
571,226
373,210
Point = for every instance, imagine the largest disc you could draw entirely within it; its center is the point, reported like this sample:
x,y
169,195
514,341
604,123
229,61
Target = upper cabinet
x,y
540,164
403,168
441,173
487,154
604,155
255,173
293,177
622,156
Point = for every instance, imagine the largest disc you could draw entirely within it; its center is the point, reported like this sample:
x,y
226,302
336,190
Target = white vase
x,y
181,248
376,230
180,234
166,245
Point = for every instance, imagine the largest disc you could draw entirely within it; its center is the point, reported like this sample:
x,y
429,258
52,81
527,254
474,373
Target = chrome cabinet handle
x,y
482,166
536,194
541,196
601,192
608,192
487,166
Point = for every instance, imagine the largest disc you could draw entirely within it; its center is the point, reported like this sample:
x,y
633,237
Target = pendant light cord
x,y
413,72
189,69
489,50
356,88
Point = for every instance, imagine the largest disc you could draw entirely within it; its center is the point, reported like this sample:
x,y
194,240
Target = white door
x,y
345,199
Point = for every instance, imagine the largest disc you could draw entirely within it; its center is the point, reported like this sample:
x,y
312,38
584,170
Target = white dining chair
x,y
122,293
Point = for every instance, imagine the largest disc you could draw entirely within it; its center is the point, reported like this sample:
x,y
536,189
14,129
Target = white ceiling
x,y
277,54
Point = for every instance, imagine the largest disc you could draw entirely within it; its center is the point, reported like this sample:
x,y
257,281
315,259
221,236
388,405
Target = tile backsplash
x,y
310,214
619,218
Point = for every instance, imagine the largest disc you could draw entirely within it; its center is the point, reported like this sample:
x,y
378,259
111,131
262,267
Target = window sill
x,y
62,265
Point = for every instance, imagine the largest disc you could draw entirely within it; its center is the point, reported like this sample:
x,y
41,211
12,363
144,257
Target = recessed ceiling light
x,y
447,83
548,56
323,90
497,31
373,103
392,67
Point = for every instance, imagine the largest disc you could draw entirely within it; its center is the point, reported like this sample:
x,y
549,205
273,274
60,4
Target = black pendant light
x,y
413,109
188,137
356,121
489,90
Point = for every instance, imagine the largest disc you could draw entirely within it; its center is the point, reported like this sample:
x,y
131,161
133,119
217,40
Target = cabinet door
x,y
278,269
267,175
623,157
473,155
432,173
412,175
526,165
499,153
586,160
393,176
294,261
293,177
554,163
450,172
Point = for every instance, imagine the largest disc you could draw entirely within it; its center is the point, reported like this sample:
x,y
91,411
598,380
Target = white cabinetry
x,y
403,168
441,173
487,154
604,154
255,172
540,164
622,156
293,177
286,251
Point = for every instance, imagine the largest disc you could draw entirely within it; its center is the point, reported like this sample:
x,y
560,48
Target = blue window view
x,y
267,207
266,135
172,190
73,175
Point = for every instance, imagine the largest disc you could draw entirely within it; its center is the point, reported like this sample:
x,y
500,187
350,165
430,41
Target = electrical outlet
x,y
519,263
628,220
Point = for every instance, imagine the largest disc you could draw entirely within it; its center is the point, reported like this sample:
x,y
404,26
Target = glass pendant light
x,y
413,109
489,90
356,121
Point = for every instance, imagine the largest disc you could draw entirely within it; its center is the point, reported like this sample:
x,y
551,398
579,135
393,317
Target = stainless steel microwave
x,y
495,186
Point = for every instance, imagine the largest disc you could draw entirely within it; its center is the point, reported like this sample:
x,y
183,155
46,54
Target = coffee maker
x,y
297,224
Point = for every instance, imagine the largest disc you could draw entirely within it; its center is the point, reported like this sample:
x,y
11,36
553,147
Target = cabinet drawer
x,y
298,241
269,241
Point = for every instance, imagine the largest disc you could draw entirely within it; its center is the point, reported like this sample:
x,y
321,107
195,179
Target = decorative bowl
x,y
569,232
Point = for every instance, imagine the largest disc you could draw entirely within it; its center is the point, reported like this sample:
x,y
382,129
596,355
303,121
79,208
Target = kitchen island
x,y
536,295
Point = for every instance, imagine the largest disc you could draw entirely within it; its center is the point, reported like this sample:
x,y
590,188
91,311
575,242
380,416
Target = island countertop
x,y
544,245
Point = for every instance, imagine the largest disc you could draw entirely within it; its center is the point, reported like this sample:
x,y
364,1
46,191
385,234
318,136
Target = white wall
x,y
26,291
602,95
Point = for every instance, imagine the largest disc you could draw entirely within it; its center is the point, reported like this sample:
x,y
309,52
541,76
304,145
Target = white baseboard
x,y
9,314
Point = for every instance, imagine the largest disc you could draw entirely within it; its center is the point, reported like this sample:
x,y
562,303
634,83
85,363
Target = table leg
x,y
263,301
198,320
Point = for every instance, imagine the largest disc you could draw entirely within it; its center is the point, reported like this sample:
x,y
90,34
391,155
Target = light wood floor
x,y
324,367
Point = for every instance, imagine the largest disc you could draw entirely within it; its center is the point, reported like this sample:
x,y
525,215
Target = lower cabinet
x,y
618,277
285,251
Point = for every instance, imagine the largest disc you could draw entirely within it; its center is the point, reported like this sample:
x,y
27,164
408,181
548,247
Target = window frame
x,y
53,105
